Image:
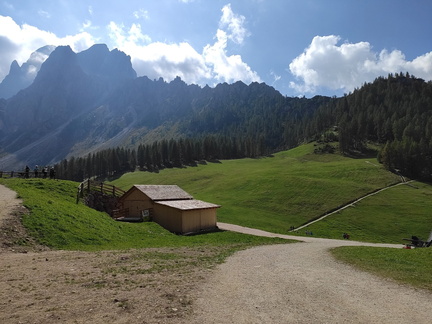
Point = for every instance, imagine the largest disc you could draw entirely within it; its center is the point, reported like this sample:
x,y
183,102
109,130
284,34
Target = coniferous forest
x,y
393,113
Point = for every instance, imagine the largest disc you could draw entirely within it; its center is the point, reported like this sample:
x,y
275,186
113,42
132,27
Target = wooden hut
x,y
169,206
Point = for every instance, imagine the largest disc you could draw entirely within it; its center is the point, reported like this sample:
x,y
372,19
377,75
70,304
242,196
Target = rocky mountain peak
x,y
21,77
99,60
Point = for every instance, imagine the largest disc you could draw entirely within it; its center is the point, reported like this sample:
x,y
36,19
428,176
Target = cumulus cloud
x,y
208,65
171,60
347,66
156,59
234,23
229,68
127,39
19,41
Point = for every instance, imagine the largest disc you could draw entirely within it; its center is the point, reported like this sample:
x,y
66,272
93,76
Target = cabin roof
x,y
190,204
163,192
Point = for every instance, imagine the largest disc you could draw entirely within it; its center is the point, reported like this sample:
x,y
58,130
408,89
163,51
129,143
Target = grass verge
x,y
411,267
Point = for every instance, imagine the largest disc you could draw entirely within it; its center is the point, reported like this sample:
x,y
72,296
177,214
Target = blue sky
x,y
300,47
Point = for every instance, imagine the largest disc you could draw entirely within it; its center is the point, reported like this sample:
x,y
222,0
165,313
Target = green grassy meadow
x,y
55,220
389,216
297,186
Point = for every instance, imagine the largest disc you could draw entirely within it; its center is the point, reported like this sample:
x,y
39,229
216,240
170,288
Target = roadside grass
x,y
411,267
274,193
55,220
390,216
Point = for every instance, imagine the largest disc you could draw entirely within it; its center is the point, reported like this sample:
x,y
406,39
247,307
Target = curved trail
x,y
303,283
286,283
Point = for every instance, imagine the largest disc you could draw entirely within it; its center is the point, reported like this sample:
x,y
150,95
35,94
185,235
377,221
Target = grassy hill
x,y
296,186
55,220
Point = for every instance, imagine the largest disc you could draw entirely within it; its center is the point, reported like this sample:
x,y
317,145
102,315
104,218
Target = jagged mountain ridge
x,y
20,77
82,102
67,85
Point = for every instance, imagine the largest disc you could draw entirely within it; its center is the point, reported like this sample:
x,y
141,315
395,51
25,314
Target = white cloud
x,y
326,64
227,68
127,39
208,65
18,42
141,14
158,59
86,24
170,60
275,77
234,23
44,13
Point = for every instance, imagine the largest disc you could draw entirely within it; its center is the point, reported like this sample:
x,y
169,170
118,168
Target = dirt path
x,y
8,202
292,283
302,283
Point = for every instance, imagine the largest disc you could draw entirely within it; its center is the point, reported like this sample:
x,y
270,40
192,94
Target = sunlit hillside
x,y
296,186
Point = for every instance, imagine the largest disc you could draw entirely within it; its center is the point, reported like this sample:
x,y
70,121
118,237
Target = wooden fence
x,y
88,186
120,213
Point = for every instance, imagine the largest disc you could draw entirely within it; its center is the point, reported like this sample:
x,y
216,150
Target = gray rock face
x,y
20,77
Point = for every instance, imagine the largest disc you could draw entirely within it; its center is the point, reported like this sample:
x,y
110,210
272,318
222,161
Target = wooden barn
x,y
169,206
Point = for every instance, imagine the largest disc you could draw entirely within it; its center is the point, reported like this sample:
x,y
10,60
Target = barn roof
x,y
188,204
163,192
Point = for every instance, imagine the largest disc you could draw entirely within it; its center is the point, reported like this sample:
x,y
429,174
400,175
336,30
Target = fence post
x,y
1,174
12,174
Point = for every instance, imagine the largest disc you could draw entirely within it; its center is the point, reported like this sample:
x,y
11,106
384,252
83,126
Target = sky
x,y
300,47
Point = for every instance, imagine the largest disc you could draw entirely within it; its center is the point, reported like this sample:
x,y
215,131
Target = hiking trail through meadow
x,y
285,283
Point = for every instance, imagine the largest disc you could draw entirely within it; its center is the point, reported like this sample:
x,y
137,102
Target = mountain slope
x,y
81,103
20,77
67,85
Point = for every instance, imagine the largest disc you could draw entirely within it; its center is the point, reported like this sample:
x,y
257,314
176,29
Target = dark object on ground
x,y
418,243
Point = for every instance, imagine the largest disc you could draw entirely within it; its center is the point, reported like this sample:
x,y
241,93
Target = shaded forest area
x,y
394,113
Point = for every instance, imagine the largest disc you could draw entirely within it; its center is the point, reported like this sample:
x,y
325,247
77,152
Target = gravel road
x,y
290,283
302,283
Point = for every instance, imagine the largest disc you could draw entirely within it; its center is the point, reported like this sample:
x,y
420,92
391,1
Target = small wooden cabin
x,y
169,206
